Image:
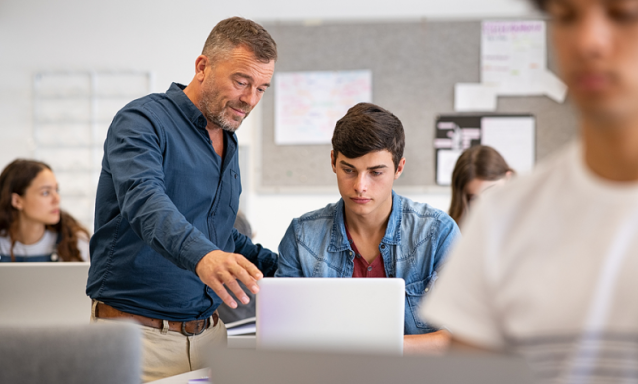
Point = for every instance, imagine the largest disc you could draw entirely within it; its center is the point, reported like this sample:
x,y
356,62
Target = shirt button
x,y
350,253
382,246
369,268
235,176
427,289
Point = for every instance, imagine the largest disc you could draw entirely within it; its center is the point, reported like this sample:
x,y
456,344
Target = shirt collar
x,y
176,93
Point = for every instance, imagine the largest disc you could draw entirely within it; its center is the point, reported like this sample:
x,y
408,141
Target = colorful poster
x,y
308,104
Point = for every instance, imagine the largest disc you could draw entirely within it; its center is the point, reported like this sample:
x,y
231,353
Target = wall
x,y
165,37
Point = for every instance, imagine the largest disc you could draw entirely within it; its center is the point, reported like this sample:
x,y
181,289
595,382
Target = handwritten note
x,y
308,104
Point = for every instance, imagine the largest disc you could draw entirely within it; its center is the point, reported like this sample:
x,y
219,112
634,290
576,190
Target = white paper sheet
x,y
514,59
445,162
512,55
308,104
474,97
552,86
513,138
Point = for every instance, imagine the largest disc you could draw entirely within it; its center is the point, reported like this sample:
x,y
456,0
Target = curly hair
x,y
16,178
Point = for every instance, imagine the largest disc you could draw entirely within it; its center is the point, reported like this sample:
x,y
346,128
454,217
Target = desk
x,y
234,342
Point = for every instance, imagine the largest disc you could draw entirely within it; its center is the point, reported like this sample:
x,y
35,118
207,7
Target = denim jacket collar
x,y
339,240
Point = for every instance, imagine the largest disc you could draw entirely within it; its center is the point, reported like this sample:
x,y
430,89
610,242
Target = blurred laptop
x,y
44,293
241,366
331,314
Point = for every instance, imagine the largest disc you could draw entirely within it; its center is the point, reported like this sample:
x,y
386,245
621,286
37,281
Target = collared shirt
x,y
415,244
164,200
361,266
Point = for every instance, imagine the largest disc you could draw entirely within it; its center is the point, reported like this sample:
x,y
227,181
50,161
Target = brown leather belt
x,y
187,328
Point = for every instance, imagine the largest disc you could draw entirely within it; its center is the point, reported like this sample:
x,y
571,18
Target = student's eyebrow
x,y
381,166
250,78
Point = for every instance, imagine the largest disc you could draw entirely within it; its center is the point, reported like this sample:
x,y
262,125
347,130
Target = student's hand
x,y
430,343
218,269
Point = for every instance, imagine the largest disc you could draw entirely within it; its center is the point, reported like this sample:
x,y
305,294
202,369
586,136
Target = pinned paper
x,y
552,86
513,138
513,53
513,63
445,162
474,98
308,104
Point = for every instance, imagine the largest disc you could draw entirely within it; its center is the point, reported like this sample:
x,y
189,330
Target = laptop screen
x,y
331,314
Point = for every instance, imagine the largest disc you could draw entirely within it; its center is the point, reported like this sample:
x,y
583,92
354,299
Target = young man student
x,y
547,265
371,231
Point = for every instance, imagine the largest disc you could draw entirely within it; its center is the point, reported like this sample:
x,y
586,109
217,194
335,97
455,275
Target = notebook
x,y
44,293
331,314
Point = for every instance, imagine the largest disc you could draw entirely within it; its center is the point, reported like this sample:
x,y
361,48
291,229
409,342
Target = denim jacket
x,y
414,247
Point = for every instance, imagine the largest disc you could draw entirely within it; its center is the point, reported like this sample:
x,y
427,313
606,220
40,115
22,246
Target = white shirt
x,y
45,246
548,267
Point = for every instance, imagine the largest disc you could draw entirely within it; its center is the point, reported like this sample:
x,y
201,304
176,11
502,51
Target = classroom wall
x,y
165,37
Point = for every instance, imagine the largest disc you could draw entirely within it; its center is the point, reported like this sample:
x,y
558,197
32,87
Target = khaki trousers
x,y
166,353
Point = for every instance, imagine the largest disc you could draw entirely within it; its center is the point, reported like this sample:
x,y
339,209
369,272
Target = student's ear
x,y
16,201
332,161
508,175
399,168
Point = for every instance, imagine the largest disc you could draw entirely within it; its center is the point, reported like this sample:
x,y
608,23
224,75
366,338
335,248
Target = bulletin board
x,y
415,66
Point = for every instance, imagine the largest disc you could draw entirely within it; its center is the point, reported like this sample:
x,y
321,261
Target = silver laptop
x,y
44,293
241,366
331,314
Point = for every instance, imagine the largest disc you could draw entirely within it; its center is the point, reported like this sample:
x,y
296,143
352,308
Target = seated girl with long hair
x,y
478,169
32,226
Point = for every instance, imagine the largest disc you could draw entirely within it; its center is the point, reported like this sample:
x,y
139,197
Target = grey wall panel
x,y
414,68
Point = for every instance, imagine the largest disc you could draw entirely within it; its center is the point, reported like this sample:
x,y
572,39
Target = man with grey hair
x,y
165,251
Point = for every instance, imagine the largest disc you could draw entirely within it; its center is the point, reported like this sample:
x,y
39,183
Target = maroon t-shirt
x,y
361,267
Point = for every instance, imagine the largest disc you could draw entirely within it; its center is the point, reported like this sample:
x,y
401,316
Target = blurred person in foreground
x,y
478,169
547,264
372,231
33,228
165,252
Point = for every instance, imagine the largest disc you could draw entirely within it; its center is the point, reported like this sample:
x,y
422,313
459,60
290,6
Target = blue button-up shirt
x,y
164,200
416,242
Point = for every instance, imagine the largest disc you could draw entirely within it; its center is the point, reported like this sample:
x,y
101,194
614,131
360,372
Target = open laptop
x,y
331,314
241,366
44,293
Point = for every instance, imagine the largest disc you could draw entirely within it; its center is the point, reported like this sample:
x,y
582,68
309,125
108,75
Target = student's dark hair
x,y
16,178
368,128
235,31
480,162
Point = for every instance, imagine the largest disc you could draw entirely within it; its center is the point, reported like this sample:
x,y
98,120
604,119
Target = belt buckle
x,y
186,333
